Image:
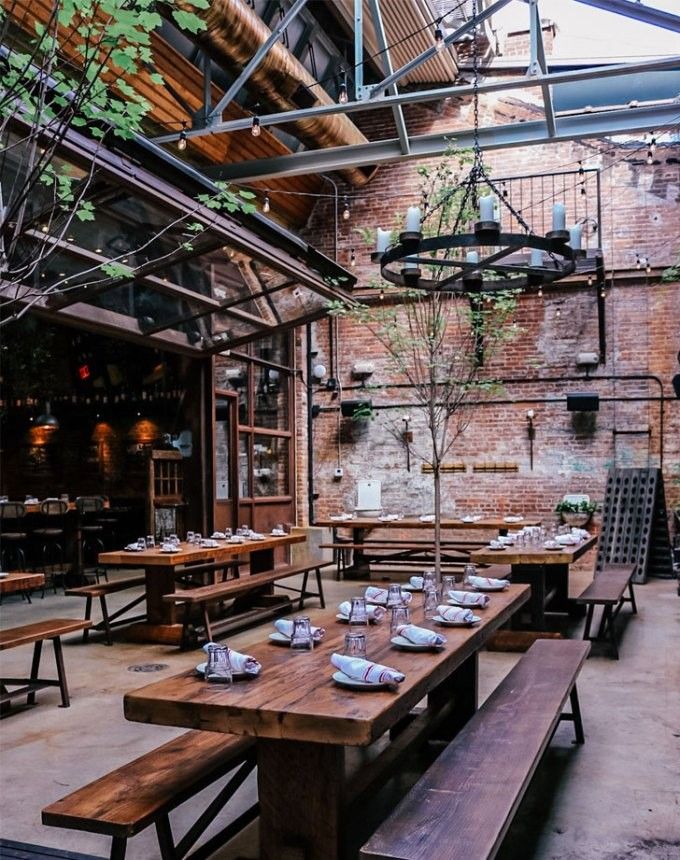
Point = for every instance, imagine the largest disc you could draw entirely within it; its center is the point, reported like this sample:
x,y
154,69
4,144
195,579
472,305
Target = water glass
x,y
429,579
468,571
448,584
174,540
141,543
394,595
191,537
301,638
227,533
357,613
355,645
198,537
150,542
218,666
430,602
400,616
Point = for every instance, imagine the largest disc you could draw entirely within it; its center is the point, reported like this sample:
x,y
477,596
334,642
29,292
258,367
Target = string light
x,y
648,268
343,96
45,228
650,157
182,141
558,313
352,257
581,169
439,38
540,292
255,128
345,208
638,262
603,292
652,146
590,280
265,204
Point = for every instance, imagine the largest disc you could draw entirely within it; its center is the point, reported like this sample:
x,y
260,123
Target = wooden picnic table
x,y
304,723
21,581
361,527
162,569
547,571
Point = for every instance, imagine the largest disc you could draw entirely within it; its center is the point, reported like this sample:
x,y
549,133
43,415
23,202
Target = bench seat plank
x,y
609,585
39,630
105,588
464,803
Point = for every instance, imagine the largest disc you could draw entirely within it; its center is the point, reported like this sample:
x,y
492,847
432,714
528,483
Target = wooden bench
x,y
36,633
127,800
463,805
205,595
102,590
608,590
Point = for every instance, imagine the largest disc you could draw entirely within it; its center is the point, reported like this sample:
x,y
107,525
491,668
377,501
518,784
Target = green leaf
x,y
188,21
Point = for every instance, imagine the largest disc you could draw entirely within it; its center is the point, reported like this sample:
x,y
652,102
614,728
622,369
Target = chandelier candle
x,y
559,216
536,257
486,208
382,240
413,219
575,237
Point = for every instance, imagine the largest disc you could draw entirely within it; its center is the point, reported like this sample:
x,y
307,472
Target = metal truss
x,y
656,17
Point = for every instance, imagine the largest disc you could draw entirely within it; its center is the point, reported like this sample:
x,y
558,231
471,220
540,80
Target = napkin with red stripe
x,y
455,615
285,628
365,670
421,635
487,582
241,664
379,595
470,598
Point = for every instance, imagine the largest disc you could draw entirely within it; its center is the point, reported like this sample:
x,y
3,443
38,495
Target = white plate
x,y
345,620
475,620
172,550
279,638
407,645
3,575
237,676
345,681
495,548
489,587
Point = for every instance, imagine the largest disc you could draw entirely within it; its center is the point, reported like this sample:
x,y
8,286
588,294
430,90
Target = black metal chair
x,y
13,536
109,524
91,533
51,537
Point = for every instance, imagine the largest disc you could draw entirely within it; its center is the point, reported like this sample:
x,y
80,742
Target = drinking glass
x,y
174,540
278,527
198,537
141,543
429,579
394,595
400,616
191,537
430,603
357,613
468,571
355,645
150,541
218,666
448,584
301,638
227,533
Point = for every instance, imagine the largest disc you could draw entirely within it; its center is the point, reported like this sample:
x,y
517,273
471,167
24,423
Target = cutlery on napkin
x,y
373,613
468,598
366,671
285,628
421,635
456,614
487,582
241,664
379,595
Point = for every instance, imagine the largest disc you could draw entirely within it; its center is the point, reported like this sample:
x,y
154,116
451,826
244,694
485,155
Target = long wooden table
x,y
162,569
21,581
304,722
547,571
361,527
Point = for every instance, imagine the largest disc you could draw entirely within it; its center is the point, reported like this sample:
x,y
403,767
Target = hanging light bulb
x,y
648,267
343,96
182,142
255,128
439,38
265,204
638,262
590,280
602,292
540,292
558,313
352,257
382,294
650,157
581,170
652,146
345,209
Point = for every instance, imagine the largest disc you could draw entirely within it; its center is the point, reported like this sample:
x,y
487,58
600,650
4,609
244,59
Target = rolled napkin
x,y
421,635
365,670
285,628
567,540
469,598
456,615
374,613
132,547
241,664
379,595
487,582
416,582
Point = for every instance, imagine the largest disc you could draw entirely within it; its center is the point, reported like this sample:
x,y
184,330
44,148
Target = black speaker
x,y
583,402
676,385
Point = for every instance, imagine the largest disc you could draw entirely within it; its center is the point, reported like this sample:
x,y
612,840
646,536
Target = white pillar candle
x,y
471,257
382,240
536,257
559,218
486,204
575,237
413,220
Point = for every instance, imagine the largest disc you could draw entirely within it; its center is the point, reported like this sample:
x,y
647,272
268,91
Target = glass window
x,y
271,398
270,466
244,465
223,488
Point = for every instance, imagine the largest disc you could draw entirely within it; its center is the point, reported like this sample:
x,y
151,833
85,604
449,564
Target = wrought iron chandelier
x,y
485,258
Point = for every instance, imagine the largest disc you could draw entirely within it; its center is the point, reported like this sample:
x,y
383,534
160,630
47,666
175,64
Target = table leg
x,y
462,687
360,567
557,576
301,791
533,575
261,560
161,624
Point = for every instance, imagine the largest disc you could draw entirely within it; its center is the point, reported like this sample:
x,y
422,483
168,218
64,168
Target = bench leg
x,y
118,848
322,599
576,716
303,591
88,617
206,622
105,619
589,621
61,672
608,620
631,598
35,666
165,841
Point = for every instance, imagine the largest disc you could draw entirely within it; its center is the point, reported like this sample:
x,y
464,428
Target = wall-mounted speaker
x,y
583,402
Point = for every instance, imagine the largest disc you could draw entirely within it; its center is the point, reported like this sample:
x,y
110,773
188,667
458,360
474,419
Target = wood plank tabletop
x,y
20,581
486,523
295,697
189,553
528,555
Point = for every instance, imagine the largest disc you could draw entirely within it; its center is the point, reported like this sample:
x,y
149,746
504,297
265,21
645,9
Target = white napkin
x,y
365,670
453,613
218,536
487,582
567,540
132,547
468,598
416,582
379,595
241,664
426,518
581,534
285,627
420,635
374,613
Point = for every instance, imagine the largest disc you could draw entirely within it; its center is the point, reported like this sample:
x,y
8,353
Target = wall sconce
x,y
531,432
318,372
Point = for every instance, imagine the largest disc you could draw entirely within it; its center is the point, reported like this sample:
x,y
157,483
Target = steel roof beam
x,y
397,111
422,96
572,127
539,65
646,14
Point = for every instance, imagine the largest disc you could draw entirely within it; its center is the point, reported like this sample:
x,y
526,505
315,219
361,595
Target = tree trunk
x,y
436,475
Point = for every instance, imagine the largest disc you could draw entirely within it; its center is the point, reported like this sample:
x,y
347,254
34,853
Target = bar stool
x,y
53,512
90,532
109,523
13,536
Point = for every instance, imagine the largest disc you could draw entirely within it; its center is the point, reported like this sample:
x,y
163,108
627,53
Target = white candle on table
x,y
575,237
559,218
413,219
486,205
382,240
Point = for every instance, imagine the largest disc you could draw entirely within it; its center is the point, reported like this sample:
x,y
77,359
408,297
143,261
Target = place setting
x,y
223,665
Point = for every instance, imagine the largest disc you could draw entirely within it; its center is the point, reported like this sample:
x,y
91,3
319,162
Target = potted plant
x,y
577,514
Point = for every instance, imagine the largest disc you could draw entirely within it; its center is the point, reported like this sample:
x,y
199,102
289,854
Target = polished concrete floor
x,y
616,797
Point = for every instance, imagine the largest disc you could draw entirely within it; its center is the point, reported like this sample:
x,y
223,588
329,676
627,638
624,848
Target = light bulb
x,y
182,142
439,38
590,280
558,313
255,128
540,292
343,98
638,262
602,293
265,204
352,258
648,267
345,210
652,146
650,157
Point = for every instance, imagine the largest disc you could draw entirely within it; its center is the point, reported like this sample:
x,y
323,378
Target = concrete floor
x,y
616,797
